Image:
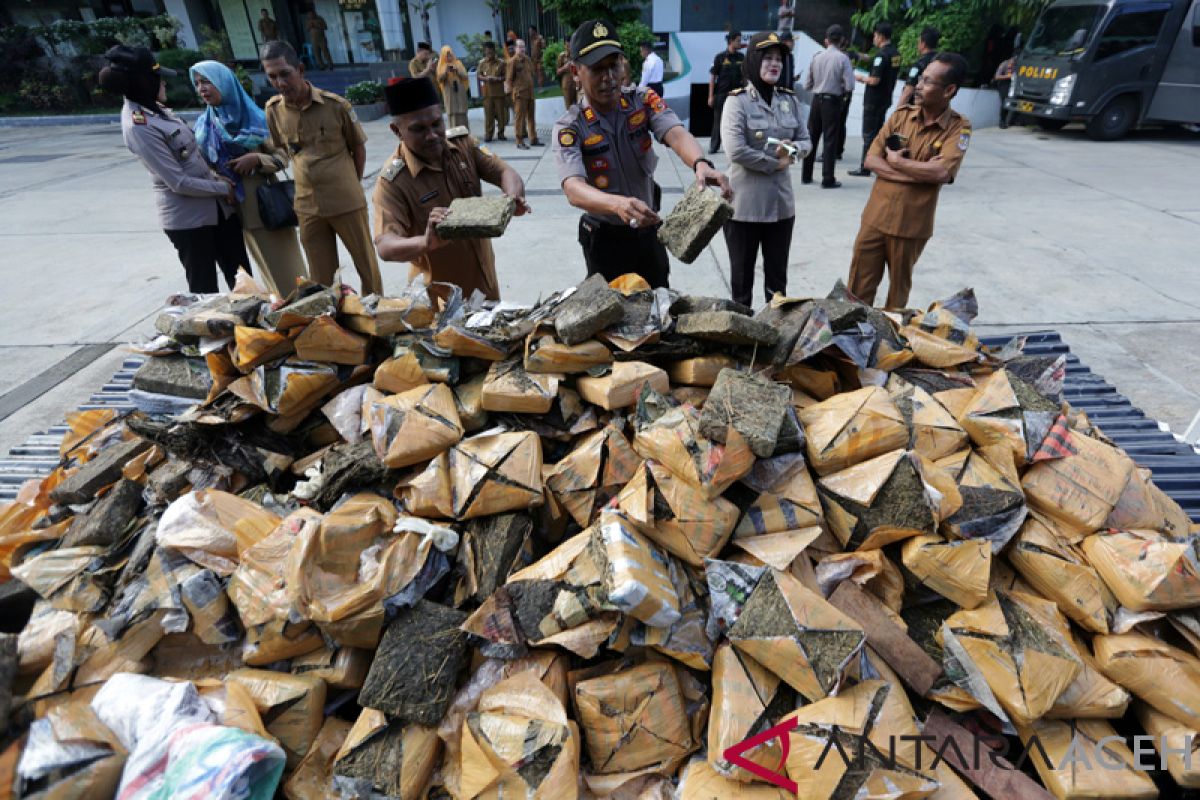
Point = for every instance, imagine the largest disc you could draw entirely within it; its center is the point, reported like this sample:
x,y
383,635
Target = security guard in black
x,y
877,94
726,75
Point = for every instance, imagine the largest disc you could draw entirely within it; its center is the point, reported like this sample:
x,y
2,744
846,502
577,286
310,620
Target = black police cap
x,y
135,60
410,94
593,41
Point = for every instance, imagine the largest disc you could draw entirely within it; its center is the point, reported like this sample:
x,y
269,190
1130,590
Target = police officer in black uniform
x,y
927,46
604,151
878,93
724,76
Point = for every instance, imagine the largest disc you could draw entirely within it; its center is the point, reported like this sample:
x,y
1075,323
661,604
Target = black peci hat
x,y
135,60
410,94
593,41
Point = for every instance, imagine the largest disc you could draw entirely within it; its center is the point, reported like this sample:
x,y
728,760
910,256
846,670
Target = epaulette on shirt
x,y
457,131
393,168
784,89
274,100
738,90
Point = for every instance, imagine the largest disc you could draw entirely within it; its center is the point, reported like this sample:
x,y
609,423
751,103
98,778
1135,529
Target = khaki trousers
x,y
525,124
873,249
495,116
319,237
277,254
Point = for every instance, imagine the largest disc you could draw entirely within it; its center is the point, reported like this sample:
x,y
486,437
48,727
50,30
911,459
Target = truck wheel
x,y
1051,124
1114,121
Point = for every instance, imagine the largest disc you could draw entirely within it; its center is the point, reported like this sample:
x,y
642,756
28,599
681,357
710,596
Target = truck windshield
x,y
1053,32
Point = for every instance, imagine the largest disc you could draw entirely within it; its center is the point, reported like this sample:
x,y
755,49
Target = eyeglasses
x,y
925,80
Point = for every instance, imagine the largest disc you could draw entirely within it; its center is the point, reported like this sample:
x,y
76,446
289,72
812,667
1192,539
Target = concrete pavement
x,y
1097,240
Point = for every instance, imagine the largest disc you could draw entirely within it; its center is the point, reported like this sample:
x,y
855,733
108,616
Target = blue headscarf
x,y
233,128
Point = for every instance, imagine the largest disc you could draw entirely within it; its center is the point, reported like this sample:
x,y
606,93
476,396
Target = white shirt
x,y
652,71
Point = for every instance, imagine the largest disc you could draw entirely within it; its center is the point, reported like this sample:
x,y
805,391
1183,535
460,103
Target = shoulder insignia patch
x,y
138,118
566,137
964,139
589,114
654,102
486,151
393,168
595,138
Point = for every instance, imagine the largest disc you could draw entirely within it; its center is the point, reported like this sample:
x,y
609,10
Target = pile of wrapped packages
x,y
623,543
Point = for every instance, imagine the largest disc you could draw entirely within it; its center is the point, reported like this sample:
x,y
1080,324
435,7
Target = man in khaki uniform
x,y
428,170
424,62
268,28
327,146
565,79
537,46
320,45
491,86
519,79
920,148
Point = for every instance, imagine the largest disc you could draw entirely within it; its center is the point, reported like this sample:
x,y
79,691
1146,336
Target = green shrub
x,y
36,94
550,58
470,49
632,34
365,93
963,32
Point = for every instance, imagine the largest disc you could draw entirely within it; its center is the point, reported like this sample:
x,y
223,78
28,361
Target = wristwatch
x,y
703,161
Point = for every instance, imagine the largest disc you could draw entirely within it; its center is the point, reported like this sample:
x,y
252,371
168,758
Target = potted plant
x,y
367,99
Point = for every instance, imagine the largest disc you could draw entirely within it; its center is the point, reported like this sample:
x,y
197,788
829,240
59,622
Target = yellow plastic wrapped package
x,y
414,426
593,473
1164,677
1007,410
636,573
508,387
1080,491
1015,667
852,427
1146,570
384,758
797,634
1098,764
517,722
1176,744
1144,506
787,498
313,777
486,474
634,719
746,697
957,570
675,514
214,528
876,711
292,707
890,497
674,440
1058,570
933,430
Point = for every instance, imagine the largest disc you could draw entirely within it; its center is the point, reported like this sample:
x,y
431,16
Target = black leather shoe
x,y
502,138
536,143
806,181
860,173
831,184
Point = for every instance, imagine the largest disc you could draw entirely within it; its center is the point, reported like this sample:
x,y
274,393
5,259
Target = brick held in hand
x,y
477,218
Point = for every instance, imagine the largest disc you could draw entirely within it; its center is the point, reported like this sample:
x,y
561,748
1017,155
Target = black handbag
x,y
276,204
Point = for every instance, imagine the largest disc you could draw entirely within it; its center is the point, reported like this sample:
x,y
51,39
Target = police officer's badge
x,y
600,31
566,137
138,118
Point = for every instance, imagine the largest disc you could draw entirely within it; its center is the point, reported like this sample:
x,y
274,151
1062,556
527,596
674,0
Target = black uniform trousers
x,y
744,240
823,121
714,143
873,119
613,250
841,148
202,250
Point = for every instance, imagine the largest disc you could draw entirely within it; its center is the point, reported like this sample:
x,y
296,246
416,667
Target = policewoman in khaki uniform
x,y
328,150
195,206
491,87
604,151
429,169
930,140
764,209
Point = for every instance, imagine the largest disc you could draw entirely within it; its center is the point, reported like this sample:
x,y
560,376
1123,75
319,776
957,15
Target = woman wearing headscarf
x,y
232,136
764,209
196,207
452,79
